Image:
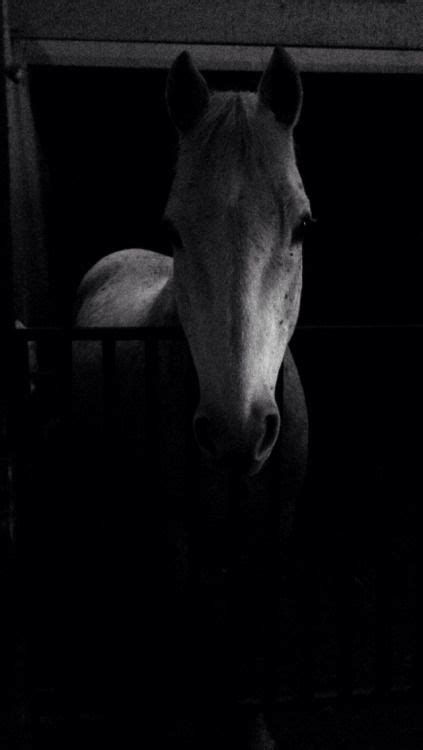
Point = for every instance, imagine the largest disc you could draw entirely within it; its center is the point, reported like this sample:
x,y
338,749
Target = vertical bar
x,y
307,603
66,376
96,501
306,579
193,619
418,648
237,491
233,582
418,654
417,540
271,599
306,588
344,622
154,581
384,623
8,387
192,510
384,581
192,483
68,522
109,381
383,419
14,634
152,406
272,568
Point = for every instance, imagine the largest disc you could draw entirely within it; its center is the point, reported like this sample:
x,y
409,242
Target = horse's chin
x,y
257,467
241,466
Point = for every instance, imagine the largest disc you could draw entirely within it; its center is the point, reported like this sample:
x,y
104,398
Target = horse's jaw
x,y
242,467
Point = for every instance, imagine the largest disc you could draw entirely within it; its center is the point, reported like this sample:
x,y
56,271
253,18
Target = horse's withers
x,y
237,212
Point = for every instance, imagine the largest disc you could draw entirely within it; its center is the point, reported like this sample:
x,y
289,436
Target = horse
x,y
236,218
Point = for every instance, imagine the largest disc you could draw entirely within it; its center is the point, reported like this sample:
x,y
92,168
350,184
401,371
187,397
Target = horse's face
x,y
237,214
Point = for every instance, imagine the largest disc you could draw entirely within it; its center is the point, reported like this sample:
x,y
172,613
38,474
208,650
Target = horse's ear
x,y
187,93
280,88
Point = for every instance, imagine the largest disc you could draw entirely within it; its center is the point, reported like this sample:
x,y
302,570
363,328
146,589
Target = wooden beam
x,y
313,23
217,56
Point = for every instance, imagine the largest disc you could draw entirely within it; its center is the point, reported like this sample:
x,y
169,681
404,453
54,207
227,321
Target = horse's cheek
x,y
183,301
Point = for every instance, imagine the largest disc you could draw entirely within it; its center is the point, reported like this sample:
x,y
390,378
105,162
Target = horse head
x,y
237,213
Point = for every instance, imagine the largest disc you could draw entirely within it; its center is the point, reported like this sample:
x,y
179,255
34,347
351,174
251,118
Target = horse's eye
x,y
301,230
172,235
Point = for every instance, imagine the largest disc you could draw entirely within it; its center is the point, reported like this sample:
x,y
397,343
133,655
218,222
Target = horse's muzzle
x,y
243,448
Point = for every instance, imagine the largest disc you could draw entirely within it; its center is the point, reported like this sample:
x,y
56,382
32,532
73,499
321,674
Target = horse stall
x,y
141,611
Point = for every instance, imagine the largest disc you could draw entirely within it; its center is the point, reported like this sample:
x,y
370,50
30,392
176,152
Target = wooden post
x,y
6,292
12,642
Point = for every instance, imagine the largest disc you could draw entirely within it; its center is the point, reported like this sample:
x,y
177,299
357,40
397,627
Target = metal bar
x,y
109,381
381,386
236,495
13,571
156,585
174,333
384,621
418,624
344,623
307,607
60,477
147,333
152,406
272,568
65,348
196,635
17,431
344,576
306,583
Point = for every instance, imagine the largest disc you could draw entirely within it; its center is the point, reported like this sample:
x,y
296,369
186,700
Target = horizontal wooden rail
x,y
168,333
225,57
101,333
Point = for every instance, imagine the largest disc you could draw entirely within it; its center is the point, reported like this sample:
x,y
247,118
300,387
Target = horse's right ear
x,y
187,93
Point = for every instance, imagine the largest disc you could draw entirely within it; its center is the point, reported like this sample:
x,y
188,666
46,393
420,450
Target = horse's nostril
x,y
203,433
270,434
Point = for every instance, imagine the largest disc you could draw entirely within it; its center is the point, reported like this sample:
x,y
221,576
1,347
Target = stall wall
x,y
393,24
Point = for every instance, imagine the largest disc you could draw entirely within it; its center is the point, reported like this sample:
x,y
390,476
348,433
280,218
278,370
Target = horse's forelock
x,y
228,113
232,145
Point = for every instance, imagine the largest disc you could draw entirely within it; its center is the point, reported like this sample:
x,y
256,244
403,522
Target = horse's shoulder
x,y
128,288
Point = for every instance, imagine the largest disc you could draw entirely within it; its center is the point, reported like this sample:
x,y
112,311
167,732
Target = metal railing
x,y
347,606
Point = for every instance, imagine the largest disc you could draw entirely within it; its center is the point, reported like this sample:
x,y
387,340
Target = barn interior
x,y
94,630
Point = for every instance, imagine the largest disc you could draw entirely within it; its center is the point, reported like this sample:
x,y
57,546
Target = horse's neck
x,y
149,287
128,288
163,310
153,307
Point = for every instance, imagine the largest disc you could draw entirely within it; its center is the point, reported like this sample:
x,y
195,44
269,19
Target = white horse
x,y
236,217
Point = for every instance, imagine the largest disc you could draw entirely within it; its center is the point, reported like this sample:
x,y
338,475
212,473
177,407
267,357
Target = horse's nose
x,y
269,434
242,447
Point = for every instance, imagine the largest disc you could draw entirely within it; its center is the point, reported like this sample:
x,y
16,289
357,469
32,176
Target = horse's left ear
x,y
280,88
187,93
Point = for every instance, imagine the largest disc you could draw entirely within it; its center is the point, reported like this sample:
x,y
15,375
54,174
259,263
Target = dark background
x,y
110,151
